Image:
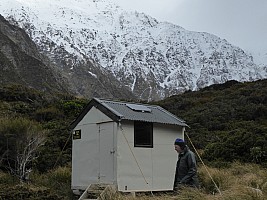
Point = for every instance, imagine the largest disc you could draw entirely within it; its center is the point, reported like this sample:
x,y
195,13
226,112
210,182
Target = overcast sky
x,y
241,22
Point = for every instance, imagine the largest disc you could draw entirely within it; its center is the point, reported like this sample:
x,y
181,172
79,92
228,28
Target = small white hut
x,y
125,144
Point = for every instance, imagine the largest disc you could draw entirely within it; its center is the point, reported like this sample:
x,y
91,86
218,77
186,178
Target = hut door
x,y
106,152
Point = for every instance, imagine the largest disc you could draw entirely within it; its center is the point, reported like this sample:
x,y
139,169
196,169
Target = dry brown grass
x,y
238,182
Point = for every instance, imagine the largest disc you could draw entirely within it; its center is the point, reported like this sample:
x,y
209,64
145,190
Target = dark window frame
x,y
143,134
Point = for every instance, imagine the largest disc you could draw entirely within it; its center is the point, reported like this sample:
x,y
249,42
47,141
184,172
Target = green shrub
x,y
7,179
20,139
48,114
24,191
74,107
57,181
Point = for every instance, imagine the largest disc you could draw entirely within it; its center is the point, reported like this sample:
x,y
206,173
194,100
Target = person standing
x,y
186,167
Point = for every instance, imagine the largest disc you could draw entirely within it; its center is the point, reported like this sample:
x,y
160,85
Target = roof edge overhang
x,y
173,124
115,116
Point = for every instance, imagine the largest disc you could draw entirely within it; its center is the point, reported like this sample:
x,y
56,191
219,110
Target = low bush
x,y
25,191
57,181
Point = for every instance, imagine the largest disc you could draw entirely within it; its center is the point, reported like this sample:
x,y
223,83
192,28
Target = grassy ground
x,y
236,182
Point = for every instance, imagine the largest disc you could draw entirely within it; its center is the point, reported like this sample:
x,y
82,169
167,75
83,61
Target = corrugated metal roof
x,y
144,112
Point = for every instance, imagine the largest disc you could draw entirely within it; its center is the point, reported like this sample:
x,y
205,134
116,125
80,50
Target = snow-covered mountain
x,y
261,60
153,59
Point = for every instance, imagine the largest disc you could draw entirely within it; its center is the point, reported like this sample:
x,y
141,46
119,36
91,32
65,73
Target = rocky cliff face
x,y
151,59
21,62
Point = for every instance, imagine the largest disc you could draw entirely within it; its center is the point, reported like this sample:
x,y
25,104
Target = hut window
x,y
143,134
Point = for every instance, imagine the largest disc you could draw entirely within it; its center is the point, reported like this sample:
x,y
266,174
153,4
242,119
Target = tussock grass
x,y
57,180
239,181
7,179
219,177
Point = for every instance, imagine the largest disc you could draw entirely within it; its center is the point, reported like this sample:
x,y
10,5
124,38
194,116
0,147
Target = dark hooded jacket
x,y
186,169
